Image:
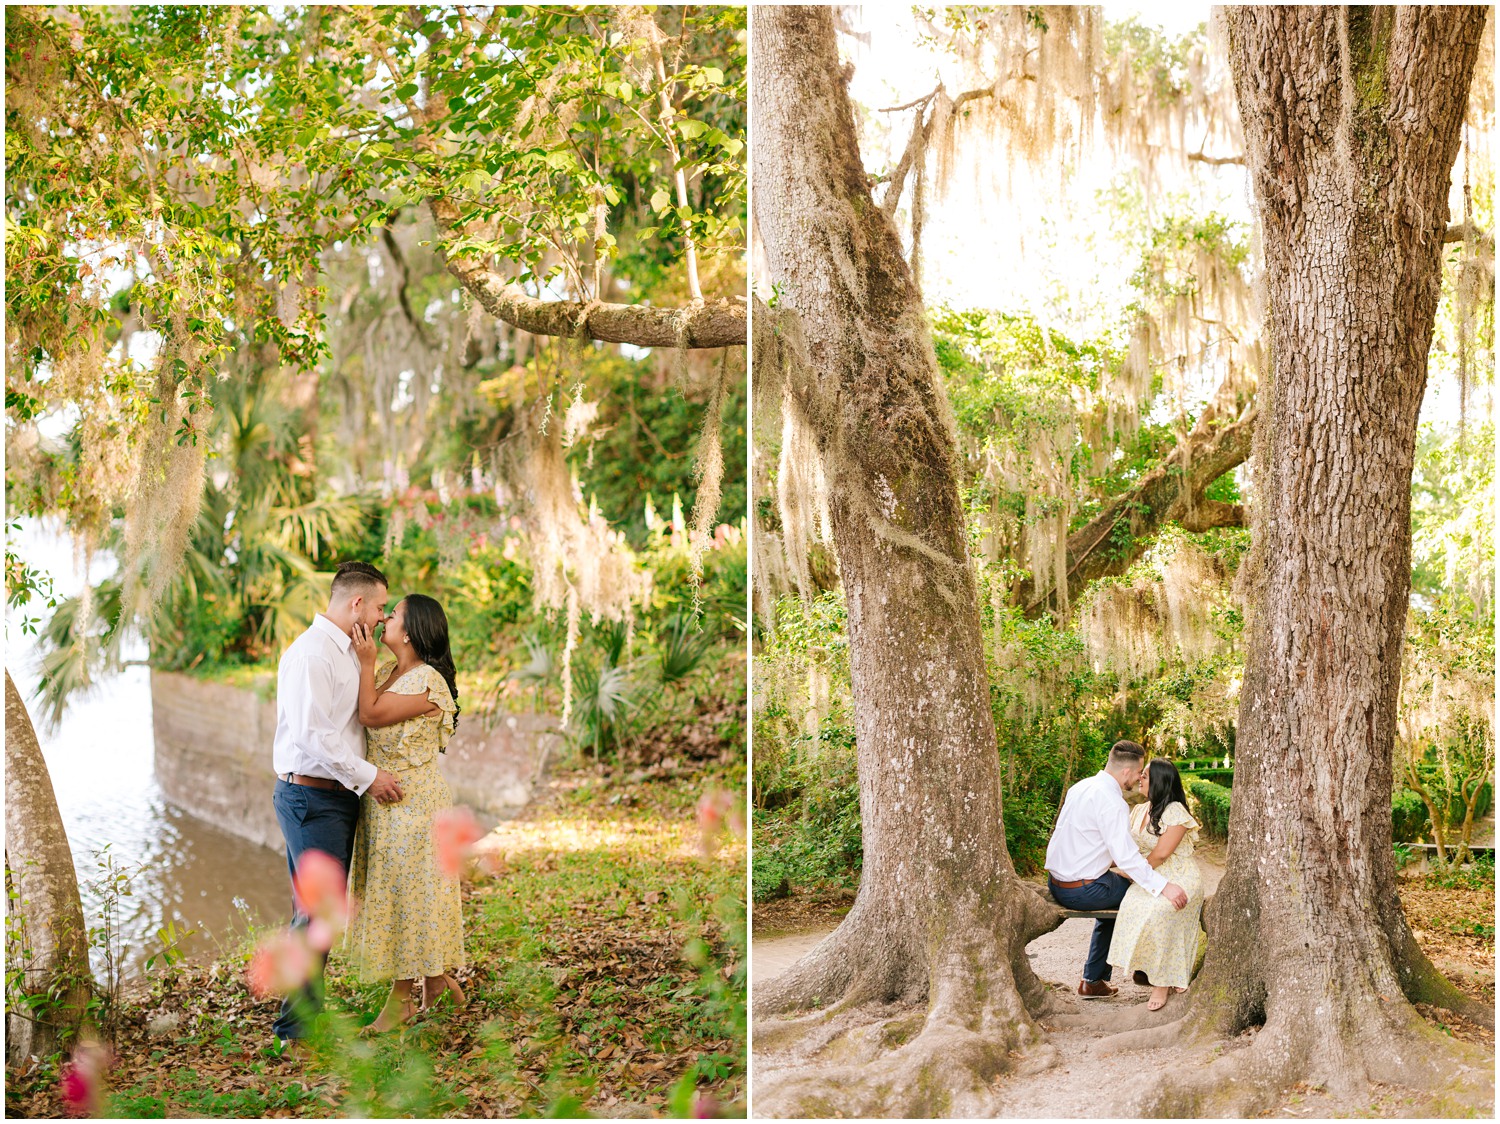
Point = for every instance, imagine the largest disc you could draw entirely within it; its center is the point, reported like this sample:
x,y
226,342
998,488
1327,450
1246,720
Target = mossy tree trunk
x,y
49,943
928,971
1352,119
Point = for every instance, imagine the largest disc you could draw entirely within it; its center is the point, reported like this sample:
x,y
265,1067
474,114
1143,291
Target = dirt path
x,y
1085,1081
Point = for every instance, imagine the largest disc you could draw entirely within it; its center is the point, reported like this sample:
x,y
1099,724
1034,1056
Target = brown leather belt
x,y
1071,885
313,782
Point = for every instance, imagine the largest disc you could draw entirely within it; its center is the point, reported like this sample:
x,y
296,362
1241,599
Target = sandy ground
x,y
1085,1082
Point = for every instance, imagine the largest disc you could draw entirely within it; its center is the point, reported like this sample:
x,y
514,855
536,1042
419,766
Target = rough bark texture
x,y
39,868
1167,493
1352,121
923,989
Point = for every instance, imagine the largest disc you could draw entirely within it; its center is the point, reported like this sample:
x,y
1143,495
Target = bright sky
x,y
972,242
1044,245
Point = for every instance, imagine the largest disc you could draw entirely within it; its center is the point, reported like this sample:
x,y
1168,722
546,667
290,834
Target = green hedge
x,y
1212,802
1216,774
1481,806
1409,818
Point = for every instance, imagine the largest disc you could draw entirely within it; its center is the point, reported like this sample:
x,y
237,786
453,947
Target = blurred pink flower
x,y
454,833
705,1106
82,1082
282,962
716,808
322,889
320,934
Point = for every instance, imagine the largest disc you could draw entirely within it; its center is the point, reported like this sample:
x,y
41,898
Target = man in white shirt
x,y
1093,833
319,751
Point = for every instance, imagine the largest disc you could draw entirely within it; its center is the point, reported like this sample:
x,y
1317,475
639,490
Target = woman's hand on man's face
x,y
364,643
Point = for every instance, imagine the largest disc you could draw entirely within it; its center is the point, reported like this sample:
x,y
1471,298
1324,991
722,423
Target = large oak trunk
x,y
941,921
50,938
1352,121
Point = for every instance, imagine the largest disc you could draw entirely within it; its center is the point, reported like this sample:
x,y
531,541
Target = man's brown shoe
x,y
1095,989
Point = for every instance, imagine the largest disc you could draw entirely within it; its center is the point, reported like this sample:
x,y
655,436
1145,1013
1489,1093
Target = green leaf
x,y
660,200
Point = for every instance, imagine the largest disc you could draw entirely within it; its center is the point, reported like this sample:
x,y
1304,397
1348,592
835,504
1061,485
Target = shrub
x,y
1212,802
1409,818
1211,770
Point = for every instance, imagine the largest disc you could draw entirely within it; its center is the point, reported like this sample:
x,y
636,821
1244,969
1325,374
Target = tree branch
x,y
1456,232
700,324
1214,161
1167,493
403,281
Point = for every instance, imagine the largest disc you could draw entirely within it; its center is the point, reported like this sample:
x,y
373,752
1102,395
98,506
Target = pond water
x,y
101,758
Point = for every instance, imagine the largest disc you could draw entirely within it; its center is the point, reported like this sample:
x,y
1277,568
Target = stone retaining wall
x,y
213,756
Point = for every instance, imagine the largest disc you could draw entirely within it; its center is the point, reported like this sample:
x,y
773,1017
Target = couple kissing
x,y
356,745
1159,895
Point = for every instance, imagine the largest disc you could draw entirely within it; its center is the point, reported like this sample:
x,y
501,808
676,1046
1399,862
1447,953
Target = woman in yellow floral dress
x,y
1151,935
409,924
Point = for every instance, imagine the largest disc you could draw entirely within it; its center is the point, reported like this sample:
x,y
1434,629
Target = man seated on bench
x,y
1093,832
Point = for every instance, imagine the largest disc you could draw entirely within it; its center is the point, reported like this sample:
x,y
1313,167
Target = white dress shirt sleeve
x,y
310,713
1126,855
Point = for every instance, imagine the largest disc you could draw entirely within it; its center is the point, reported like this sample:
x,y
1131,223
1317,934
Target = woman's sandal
x,y
1153,1004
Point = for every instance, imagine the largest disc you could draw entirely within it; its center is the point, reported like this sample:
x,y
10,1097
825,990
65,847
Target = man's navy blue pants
x,y
1105,892
312,819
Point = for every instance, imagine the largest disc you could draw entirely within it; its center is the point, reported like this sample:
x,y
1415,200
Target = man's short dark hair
x,y
1126,753
356,579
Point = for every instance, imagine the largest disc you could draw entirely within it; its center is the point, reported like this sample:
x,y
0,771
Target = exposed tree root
x,y
1380,1048
931,1050
1141,1029
875,1068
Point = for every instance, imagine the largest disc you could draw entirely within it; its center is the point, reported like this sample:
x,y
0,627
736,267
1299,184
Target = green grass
x,y
607,977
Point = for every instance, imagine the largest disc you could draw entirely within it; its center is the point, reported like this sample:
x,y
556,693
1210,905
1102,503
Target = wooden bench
x,y
1102,914
1095,914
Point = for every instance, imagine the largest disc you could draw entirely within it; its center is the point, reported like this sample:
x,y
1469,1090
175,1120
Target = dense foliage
x,y
244,343
1131,342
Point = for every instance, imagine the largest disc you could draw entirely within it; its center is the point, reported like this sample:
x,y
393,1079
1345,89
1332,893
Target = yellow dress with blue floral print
x,y
1150,935
409,919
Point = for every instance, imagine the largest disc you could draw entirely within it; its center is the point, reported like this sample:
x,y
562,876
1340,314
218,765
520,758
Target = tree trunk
x,y
1352,120
934,948
51,940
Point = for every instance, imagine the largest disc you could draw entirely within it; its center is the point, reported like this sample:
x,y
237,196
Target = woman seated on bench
x,y
1093,833
1160,944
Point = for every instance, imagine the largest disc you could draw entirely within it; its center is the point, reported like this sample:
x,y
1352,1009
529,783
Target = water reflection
x,y
185,869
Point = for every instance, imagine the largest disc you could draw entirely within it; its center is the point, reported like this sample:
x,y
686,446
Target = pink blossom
x,y
322,889
705,1106
454,833
80,1093
715,808
320,934
282,962
82,1082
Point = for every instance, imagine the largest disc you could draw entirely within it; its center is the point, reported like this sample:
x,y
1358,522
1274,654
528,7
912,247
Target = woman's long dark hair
x,y
427,629
1165,787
